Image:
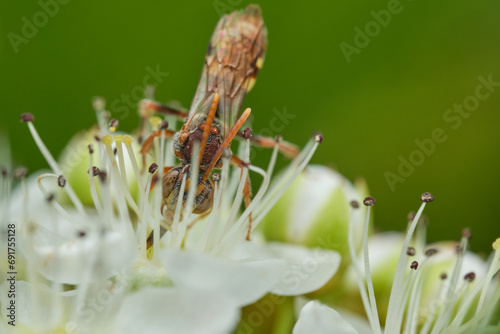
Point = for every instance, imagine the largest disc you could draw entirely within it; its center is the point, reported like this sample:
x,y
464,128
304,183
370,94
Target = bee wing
x,y
234,57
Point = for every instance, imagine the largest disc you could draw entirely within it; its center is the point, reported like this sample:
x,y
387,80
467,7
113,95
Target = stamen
x,y
359,276
123,187
28,118
396,291
127,140
121,160
93,190
368,202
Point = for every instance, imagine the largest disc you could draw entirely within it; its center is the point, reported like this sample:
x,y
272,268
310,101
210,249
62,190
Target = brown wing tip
x,y
253,10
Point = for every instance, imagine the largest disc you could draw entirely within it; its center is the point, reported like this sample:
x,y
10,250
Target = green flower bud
x,y
315,211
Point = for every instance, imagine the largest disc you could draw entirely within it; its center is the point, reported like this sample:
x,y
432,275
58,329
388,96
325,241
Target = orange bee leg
x,y
208,126
163,109
147,145
225,144
288,149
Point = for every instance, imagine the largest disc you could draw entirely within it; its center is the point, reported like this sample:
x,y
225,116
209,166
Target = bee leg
x,y
208,125
247,190
288,149
147,145
148,105
227,141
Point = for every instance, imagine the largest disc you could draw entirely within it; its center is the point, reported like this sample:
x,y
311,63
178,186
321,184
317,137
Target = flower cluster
x,y
84,265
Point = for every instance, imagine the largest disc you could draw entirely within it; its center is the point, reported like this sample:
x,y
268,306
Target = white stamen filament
x,y
93,190
55,167
374,324
369,283
396,291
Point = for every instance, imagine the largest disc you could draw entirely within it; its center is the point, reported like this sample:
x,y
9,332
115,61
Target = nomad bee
x,y
234,57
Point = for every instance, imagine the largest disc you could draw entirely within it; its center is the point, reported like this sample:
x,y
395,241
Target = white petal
x,y
307,269
243,282
168,310
34,305
318,319
87,259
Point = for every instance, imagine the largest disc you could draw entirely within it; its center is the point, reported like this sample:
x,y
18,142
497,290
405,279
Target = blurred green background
x,y
371,109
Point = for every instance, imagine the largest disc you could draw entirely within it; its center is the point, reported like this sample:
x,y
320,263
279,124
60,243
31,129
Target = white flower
x,y
439,288
89,270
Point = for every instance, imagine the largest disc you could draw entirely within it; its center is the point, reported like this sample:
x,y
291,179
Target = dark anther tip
x,y
410,251
61,181
27,117
20,173
369,201
427,197
414,265
318,137
95,171
467,233
102,176
153,168
247,133
164,125
469,277
91,149
430,251
355,204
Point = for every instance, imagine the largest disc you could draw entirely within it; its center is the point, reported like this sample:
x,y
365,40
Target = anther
x,y
103,176
97,138
61,181
443,276
469,277
318,137
107,140
153,168
466,233
430,251
427,197
50,197
216,177
164,125
95,171
414,265
20,173
81,234
410,251
369,201
278,139
91,149
355,204
496,244
127,139
247,133
5,172
114,123
98,103
114,151
27,117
